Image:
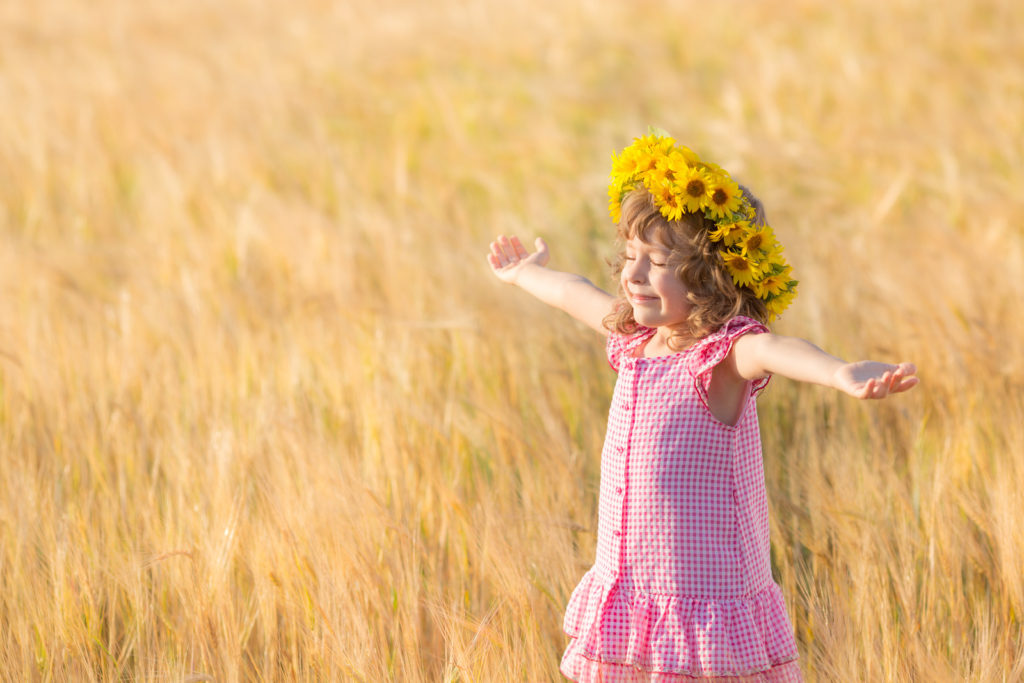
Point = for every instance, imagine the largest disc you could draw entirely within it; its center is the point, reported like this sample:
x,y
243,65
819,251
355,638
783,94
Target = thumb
x,y
542,250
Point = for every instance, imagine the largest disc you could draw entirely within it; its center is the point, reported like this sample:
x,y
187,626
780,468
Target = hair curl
x,y
714,297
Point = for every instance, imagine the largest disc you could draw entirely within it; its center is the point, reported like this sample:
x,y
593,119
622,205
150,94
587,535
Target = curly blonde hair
x,y
714,297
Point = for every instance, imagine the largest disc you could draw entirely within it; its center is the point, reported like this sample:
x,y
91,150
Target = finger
x,y
868,389
507,249
520,250
542,251
876,385
907,383
908,369
881,387
904,378
499,253
885,382
896,379
496,258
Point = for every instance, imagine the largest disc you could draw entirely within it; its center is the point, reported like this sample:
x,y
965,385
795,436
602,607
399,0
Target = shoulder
x,y
714,355
712,349
739,326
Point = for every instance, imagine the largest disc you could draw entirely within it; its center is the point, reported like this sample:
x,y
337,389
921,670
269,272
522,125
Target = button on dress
x,y
681,587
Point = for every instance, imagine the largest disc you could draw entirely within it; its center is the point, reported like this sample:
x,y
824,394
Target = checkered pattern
x,y
682,583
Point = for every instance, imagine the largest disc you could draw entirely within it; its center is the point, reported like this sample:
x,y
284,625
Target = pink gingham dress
x,y
681,587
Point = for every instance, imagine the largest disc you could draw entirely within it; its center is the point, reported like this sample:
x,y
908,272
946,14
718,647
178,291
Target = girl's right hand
x,y
508,257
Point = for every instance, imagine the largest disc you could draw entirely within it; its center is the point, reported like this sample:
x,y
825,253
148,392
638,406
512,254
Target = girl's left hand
x,y
871,379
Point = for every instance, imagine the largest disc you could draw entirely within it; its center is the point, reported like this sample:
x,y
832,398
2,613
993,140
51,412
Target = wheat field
x,y
266,416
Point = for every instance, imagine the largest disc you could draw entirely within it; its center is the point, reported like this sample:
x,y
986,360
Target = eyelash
x,y
653,263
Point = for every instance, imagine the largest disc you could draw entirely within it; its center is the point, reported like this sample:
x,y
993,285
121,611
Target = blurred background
x,y
266,415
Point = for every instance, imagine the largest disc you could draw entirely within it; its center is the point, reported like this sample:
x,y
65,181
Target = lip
x,y
641,298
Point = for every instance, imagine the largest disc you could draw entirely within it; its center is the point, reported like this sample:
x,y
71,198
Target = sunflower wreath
x,y
681,183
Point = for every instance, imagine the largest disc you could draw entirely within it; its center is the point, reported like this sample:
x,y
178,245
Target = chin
x,y
645,320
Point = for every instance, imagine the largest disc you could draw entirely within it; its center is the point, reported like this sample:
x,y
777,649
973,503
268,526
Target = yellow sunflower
x,y
712,168
614,206
668,167
662,174
623,165
743,271
729,233
646,161
672,204
632,163
616,190
653,144
774,259
694,183
725,197
774,284
688,155
779,303
757,243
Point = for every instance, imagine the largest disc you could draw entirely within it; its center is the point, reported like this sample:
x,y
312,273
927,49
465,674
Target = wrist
x,y
525,272
834,381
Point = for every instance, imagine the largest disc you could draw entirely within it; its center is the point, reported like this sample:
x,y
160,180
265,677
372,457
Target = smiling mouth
x,y
641,299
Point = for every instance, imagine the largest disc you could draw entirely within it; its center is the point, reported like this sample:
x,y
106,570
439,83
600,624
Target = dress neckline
x,y
636,347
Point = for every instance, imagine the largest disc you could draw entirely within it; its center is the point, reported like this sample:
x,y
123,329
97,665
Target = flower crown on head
x,y
681,183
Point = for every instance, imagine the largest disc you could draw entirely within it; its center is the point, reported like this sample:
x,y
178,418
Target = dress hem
x,y
677,635
688,674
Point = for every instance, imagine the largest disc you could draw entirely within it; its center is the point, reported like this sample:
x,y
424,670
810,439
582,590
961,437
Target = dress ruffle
x,y
578,668
705,355
625,635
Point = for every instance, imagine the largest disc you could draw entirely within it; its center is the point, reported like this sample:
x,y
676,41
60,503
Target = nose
x,y
633,271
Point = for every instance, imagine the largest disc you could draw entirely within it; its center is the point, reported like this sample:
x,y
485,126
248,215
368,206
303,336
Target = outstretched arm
x,y
757,355
574,294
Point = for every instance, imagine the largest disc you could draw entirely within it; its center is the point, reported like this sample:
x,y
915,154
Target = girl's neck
x,y
658,344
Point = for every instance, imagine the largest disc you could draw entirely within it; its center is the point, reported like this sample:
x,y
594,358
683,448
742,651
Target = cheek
x,y
666,281
672,288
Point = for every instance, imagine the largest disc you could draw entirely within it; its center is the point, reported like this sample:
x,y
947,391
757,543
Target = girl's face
x,y
648,278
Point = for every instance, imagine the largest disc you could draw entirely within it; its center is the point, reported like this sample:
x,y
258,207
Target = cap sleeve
x,y
619,345
713,349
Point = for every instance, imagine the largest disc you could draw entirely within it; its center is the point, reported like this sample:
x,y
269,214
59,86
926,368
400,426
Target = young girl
x,y
681,587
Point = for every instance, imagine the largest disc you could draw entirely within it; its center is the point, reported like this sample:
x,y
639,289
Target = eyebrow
x,y
656,248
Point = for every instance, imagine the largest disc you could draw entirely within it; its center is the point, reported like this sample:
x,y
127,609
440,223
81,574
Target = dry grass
x,y
264,415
